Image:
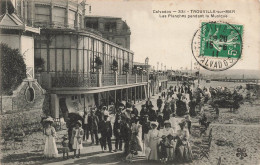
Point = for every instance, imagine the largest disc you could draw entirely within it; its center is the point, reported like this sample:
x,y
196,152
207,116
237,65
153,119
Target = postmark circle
x,y
217,46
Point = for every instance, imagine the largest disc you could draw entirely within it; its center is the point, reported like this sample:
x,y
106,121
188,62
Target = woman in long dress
x,y
183,148
50,149
135,142
153,141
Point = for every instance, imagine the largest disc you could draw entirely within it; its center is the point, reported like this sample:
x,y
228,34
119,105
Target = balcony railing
x,y
67,79
131,79
139,78
74,80
108,79
121,79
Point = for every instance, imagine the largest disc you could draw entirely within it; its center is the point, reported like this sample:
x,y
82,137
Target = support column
x,y
135,95
131,94
141,92
67,15
99,78
121,93
107,99
115,97
54,106
126,94
138,93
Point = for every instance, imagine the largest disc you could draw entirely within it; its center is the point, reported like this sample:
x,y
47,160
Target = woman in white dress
x,y
153,140
50,149
76,138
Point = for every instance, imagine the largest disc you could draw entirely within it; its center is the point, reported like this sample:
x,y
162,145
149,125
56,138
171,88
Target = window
x,y
93,24
29,94
59,16
110,26
72,18
42,13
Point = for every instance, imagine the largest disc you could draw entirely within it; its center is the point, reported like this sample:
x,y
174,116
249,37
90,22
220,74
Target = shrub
x,y
13,68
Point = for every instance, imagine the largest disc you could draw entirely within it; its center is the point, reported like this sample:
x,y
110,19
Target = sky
x,y
168,40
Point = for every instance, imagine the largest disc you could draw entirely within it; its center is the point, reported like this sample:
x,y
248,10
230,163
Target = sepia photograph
x,y
120,82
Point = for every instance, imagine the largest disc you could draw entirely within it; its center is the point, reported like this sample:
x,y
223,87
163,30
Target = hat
x,y
187,117
65,137
167,122
163,136
129,109
137,118
79,122
154,123
182,123
106,113
48,119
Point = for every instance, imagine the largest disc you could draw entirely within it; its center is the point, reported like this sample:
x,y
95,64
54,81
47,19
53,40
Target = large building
x,y
112,28
78,66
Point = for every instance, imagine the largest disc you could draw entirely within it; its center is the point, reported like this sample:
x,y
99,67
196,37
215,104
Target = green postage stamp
x,y
217,46
221,40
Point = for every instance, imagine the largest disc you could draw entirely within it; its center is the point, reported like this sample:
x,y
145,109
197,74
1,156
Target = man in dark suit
x,y
159,103
106,132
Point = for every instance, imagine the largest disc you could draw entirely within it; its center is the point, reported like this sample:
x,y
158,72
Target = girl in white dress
x,y
50,149
77,134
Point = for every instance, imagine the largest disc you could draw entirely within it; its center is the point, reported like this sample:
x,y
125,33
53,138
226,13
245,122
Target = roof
x,y
12,21
97,16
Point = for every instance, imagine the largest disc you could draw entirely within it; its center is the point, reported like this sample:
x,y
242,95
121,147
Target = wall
x,y
11,40
20,100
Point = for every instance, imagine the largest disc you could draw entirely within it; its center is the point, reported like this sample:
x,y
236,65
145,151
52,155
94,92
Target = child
x,y
77,134
170,147
162,146
65,145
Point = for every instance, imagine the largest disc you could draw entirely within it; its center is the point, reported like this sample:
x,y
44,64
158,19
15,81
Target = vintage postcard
x,y
130,81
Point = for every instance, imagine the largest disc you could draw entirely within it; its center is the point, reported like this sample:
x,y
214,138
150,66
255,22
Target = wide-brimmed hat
x,y
187,117
48,120
129,109
79,122
167,122
182,123
106,113
154,123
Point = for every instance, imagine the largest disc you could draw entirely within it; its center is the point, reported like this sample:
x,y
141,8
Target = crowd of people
x,y
155,132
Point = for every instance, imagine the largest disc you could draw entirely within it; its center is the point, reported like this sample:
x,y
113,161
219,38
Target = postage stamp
x,y
217,46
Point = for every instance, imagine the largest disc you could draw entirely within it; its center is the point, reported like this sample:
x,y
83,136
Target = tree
x,y
13,68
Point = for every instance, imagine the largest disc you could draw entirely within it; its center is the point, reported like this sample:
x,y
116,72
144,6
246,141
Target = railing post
x,y
135,78
142,77
99,78
127,78
115,74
